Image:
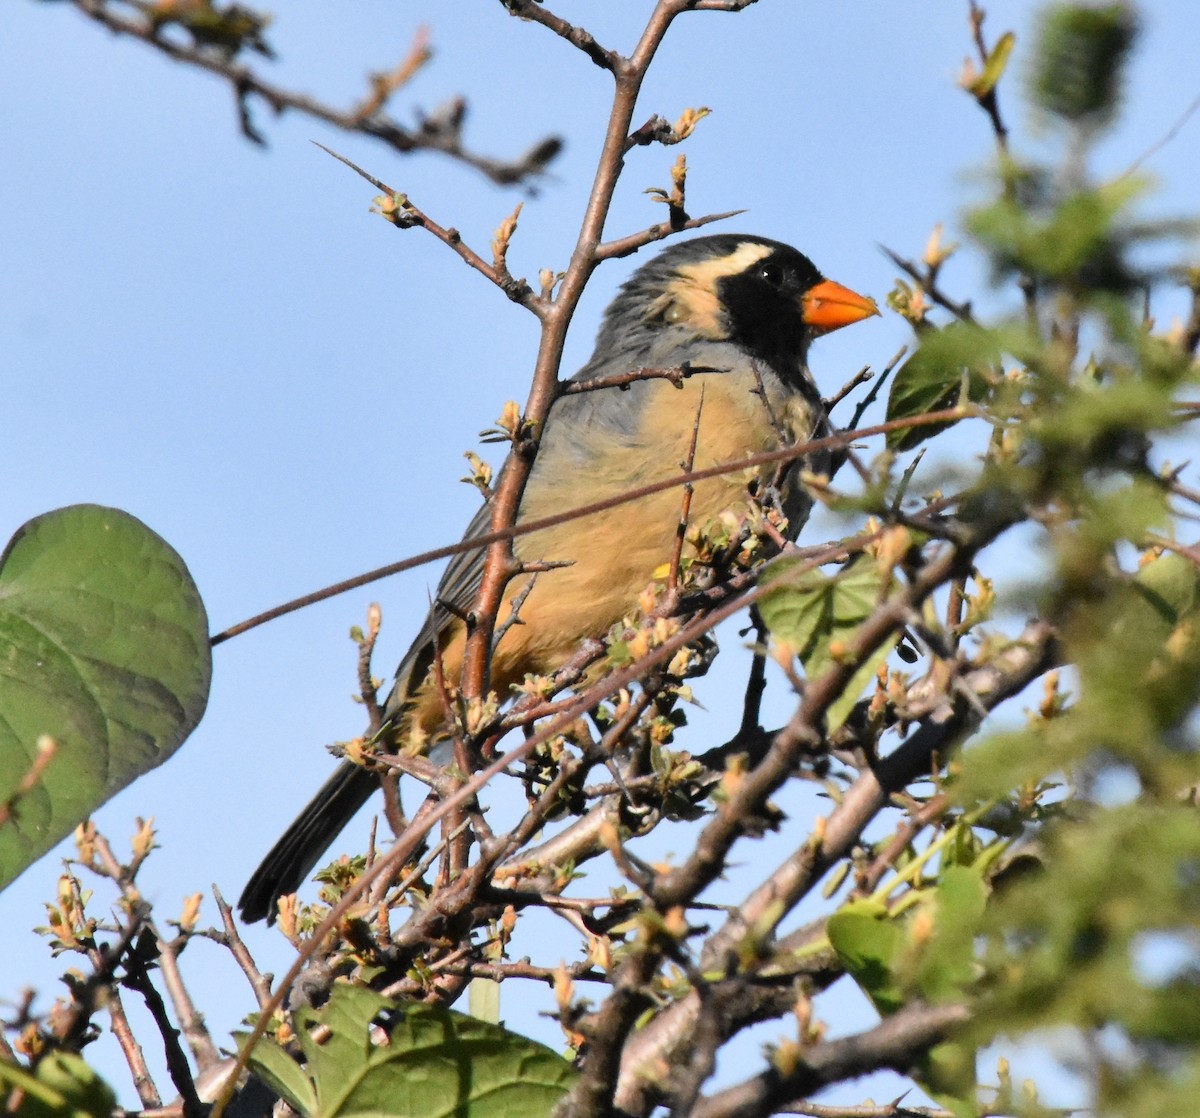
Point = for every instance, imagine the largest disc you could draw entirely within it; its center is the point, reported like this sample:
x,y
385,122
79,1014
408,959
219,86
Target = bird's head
x,y
759,294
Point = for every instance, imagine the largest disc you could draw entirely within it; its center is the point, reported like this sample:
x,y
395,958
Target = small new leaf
x,y
993,70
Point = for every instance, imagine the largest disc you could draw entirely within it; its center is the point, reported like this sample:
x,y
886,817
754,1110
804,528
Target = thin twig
x,y
367,686
1162,142
43,755
877,387
626,246
579,37
434,134
676,374
478,543
232,939
686,509
756,684
861,377
928,283
400,211
989,101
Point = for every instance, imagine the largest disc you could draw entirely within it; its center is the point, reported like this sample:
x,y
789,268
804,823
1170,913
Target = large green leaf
x,y
436,1064
103,648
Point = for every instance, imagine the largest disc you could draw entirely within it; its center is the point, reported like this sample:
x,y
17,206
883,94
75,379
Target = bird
x,y
737,313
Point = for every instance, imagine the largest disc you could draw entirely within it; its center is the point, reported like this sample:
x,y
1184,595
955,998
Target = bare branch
x,y
676,374
627,245
720,5
863,375
259,982
399,210
896,1042
786,454
1034,653
579,37
436,133
383,85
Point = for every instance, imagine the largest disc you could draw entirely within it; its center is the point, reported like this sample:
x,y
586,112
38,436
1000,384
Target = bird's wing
x,y
614,411
455,595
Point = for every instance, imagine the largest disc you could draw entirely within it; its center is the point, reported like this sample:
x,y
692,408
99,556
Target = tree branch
x,y
896,1042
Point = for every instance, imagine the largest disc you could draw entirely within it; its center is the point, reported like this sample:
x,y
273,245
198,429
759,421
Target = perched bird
x,y
741,310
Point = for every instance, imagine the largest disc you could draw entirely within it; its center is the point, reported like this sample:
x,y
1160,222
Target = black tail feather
x,y
293,857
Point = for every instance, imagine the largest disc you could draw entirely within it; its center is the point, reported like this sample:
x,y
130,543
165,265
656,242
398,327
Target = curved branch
x,y
896,1042
441,132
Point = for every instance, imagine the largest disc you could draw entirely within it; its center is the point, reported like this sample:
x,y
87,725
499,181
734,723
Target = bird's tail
x,y
292,858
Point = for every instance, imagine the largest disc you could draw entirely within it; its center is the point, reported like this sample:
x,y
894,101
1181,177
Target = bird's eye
x,y
771,273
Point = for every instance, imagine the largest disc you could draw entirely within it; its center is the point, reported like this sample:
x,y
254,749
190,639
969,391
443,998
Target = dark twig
x,y
861,377
191,1021
676,374
927,279
1191,330
627,245
756,684
896,1043
137,978
877,387
433,135
577,36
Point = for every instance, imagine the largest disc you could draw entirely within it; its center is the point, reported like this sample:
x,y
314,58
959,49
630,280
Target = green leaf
x,y
949,1074
437,1064
1077,238
63,1086
893,964
281,1073
1080,58
483,998
948,967
949,360
104,648
993,70
818,614
1170,586
870,945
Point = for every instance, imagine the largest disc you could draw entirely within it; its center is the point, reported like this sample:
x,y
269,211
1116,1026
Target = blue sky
x,y
223,341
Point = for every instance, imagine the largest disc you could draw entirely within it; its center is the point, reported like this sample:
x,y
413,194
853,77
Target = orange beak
x,y
830,306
